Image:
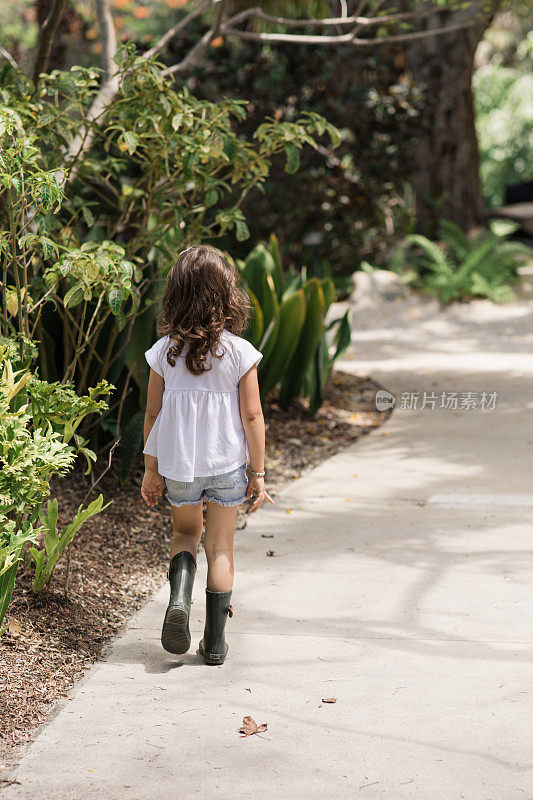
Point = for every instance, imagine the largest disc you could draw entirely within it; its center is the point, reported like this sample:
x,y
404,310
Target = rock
x,y
374,288
381,298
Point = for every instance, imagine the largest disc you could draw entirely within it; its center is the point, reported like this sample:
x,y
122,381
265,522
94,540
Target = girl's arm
x,y
254,427
152,485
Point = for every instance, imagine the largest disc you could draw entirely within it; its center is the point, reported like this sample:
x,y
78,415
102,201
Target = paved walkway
x,y
398,586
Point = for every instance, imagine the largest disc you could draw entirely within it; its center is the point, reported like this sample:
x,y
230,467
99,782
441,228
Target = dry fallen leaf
x,y
270,553
14,627
329,699
250,726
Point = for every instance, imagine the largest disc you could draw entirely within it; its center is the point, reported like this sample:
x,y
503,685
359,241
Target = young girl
x,y
203,422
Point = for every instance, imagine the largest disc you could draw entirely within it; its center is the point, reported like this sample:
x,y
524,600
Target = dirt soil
x,y
119,559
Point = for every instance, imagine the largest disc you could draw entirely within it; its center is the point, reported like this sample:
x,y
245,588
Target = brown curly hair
x,y
201,298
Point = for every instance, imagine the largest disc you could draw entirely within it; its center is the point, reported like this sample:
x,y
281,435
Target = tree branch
x,y
46,37
8,57
109,39
110,86
258,13
344,38
109,89
83,140
296,38
194,55
177,28
228,27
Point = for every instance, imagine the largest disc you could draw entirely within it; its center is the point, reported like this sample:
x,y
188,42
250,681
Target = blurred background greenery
x,y
359,198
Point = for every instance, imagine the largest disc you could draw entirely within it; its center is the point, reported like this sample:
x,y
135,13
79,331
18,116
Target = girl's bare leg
x,y
187,524
218,546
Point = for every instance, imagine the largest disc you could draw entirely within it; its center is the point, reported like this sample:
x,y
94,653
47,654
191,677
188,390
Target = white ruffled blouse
x,y
199,430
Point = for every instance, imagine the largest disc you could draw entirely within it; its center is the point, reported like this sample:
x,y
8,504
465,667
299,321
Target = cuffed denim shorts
x,y
228,489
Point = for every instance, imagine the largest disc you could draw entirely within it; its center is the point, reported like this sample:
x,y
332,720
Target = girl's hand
x,y
152,487
258,485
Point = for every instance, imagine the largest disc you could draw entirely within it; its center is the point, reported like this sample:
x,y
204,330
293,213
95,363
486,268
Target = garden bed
x,y
119,559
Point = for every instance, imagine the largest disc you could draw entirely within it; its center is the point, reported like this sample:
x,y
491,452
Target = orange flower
x,y
121,3
141,12
176,3
217,41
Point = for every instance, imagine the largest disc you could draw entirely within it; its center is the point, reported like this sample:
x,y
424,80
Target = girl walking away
x,y
203,423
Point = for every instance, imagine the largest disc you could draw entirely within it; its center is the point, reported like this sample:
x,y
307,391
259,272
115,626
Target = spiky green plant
x,y
289,327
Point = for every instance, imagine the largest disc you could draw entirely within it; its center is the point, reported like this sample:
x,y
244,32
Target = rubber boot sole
x,y
212,659
174,636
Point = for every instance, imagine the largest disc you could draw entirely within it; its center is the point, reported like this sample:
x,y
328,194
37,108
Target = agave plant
x,y
288,326
459,267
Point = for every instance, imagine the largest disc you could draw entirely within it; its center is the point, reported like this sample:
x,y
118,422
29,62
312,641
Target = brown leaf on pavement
x,y
250,726
329,699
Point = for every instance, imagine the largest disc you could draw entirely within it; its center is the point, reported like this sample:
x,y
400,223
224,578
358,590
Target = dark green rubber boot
x,y
213,647
175,636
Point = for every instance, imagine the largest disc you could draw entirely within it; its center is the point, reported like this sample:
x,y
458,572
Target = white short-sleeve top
x,y
199,430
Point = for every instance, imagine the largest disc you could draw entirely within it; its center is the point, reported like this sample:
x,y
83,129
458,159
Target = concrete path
x,y
398,586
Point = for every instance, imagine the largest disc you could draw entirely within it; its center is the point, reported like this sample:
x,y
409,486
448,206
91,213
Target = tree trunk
x,y
446,174
63,34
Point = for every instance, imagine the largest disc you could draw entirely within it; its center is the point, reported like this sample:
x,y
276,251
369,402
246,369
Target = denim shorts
x,y
228,489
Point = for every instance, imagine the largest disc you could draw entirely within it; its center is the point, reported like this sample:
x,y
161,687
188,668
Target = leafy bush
x,y
38,439
457,267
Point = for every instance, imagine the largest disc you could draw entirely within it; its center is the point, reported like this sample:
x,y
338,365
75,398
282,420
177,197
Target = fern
x,y
474,259
452,235
459,268
437,257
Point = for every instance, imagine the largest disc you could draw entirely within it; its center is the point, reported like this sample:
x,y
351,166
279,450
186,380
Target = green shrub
x,y
458,267
38,440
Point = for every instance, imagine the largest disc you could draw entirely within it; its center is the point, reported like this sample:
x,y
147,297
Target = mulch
x,y
119,558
